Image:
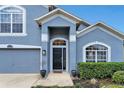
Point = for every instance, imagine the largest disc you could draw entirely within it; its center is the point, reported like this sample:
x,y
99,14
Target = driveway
x,y
18,80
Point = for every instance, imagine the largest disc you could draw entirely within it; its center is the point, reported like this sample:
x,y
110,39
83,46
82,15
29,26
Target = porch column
x,y
45,41
72,50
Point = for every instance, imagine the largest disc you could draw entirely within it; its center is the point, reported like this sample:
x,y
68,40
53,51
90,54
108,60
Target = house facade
x,y
35,37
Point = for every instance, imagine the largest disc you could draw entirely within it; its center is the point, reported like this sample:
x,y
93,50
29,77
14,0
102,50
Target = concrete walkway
x,y
55,79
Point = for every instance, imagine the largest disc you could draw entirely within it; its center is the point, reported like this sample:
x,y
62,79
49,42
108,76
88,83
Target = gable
x,y
58,16
104,28
64,14
59,21
99,32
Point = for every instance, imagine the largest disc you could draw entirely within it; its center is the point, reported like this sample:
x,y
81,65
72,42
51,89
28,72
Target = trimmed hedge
x,y
100,70
118,77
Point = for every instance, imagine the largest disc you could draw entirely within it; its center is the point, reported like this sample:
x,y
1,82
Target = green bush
x,y
100,70
118,77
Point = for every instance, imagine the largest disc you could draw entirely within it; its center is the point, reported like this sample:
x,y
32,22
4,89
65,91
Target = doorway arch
x,y
58,54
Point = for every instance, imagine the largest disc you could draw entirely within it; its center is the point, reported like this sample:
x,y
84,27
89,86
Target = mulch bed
x,y
87,83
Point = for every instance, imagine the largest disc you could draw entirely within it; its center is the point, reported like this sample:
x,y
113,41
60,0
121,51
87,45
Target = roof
x,y
103,25
62,12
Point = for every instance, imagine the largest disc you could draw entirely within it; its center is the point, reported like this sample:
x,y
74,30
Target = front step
x,y
56,79
57,71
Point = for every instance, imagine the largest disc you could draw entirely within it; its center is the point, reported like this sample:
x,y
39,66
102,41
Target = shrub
x,y
118,77
99,70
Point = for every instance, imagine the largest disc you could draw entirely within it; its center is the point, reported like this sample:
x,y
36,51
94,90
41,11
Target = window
x,y
59,42
12,20
96,53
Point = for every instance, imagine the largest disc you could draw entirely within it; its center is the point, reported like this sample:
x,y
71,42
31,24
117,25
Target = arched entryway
x,y
59,54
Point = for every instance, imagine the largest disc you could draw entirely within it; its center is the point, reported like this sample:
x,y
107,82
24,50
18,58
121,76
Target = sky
x,y
110,15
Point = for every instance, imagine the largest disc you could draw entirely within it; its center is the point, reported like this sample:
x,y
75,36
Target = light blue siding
x,y
101,36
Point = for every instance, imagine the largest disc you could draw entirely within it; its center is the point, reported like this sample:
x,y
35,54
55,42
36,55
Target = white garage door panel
x,y
19,61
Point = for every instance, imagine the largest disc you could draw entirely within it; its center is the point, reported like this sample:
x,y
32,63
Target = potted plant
x,y
73,72
43,73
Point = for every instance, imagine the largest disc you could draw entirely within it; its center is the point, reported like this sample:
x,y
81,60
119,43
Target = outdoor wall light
x,y
44,52
39,26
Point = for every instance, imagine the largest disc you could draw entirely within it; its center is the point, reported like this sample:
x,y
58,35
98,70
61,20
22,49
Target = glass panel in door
x,y
57,58
64,58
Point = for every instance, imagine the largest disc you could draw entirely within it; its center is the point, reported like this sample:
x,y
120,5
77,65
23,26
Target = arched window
x,y
12,20
97,53
59,42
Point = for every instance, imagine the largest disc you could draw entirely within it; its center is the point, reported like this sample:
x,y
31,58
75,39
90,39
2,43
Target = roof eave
x,y
61,11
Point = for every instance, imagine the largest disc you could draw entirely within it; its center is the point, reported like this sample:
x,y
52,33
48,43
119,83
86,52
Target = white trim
x,y
45,15
24,22
96,42
13,34
51,52
110,33
16,46
58,9
41,64
57,15
93,27
61,10
72,38
70,14
112,28
44,37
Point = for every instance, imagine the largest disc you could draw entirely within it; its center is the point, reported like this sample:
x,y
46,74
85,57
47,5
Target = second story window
x,y
12,20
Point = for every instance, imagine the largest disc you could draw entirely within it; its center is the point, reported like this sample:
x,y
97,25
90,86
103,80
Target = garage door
x,y
19,60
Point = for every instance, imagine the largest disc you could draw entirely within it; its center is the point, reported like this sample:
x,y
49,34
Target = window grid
x,y
11,21
15,21
95,55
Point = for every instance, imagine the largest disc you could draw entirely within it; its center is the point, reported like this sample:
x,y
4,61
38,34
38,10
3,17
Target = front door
x,y
59,59
59,55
